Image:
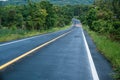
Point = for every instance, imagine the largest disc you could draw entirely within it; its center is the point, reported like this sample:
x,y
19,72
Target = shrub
x,y
29,25
115,33
104,14
13,27
1,26
91,16
102,26
116,24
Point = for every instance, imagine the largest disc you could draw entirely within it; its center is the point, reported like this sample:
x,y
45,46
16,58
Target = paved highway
x,y
65,58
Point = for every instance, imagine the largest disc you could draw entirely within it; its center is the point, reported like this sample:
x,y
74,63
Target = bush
x,y
115,33
13,27
29,25
102,26
1,26
117,74
116,24
105,14
91,16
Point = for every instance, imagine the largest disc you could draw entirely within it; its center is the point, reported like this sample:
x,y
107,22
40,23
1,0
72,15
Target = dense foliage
x,y
34,16
104,17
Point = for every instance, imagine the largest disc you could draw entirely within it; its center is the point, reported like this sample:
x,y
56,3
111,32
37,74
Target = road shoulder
x,y
103,67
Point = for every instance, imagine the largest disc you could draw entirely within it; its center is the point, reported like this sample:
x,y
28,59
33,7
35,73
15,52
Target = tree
x,y
91,16
50,18
116,8
0,17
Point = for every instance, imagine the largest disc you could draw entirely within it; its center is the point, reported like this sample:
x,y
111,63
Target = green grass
x,y
110,49
8,34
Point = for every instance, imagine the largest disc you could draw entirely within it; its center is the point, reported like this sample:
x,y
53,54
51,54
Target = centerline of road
x,y
92,66
31,51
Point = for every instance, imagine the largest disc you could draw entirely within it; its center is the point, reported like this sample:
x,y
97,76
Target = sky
x,y
3,0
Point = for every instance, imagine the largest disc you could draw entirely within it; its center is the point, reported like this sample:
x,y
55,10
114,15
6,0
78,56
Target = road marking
x,y
4,44
31,51
17,41
92,65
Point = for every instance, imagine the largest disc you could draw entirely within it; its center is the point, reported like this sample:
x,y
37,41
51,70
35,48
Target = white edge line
x,y
17,41
92,65
22,39
31,51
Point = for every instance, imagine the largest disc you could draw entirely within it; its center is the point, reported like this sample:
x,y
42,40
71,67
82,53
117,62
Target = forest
x,y
34,16
23,20
104,17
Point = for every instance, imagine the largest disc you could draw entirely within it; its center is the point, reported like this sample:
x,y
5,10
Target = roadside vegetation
x,y
7,34
110,49
32,19
102,20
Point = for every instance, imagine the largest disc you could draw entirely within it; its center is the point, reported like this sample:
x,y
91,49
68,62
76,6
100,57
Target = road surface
x,y
66,58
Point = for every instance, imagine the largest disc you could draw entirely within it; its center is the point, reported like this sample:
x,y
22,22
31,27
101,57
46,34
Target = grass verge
x,y
110,49
8,34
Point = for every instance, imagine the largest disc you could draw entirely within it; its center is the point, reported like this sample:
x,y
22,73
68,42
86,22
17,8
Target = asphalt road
x,y
63,59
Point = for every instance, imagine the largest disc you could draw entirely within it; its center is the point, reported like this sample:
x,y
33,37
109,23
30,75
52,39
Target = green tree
x,y
19,20
50,18
91,16
116,8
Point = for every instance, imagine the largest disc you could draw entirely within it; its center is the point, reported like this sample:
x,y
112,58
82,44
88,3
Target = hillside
x,y
58,2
